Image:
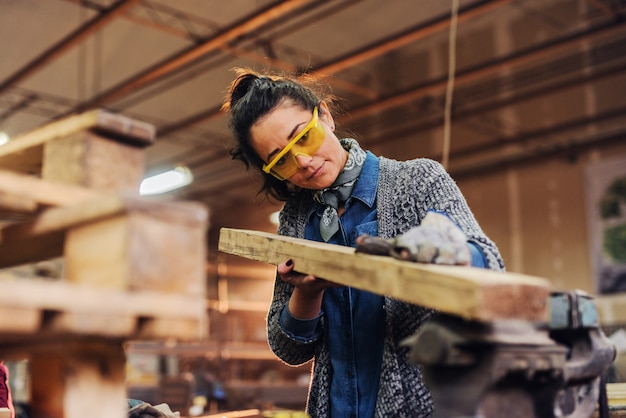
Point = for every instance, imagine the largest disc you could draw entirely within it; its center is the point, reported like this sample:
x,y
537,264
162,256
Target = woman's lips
x,y
318,171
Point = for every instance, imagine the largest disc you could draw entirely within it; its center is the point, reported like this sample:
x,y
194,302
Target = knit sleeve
x,y
291,350
426,186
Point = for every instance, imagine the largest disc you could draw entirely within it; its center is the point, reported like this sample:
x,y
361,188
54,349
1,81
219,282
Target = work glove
x,y
145,410
437,240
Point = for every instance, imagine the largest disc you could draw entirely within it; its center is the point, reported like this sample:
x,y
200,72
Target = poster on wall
x,y
605,183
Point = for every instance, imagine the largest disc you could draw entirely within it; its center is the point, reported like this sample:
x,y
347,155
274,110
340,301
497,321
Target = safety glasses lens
x,y
307,142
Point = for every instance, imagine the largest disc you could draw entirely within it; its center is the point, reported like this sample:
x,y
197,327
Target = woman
x,y
334,191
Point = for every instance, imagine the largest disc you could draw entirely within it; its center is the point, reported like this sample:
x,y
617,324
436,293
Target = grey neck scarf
x,y
341,189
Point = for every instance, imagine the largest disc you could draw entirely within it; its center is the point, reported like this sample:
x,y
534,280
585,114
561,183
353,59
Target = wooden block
x,y
79,379
25,153
139,250
5,413
94,161
468,292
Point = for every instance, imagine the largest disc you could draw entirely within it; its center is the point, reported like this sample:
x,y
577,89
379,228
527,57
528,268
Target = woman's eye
x,y
281,161
304,137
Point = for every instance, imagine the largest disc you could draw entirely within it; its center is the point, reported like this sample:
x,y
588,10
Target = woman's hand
x,y
306,298
436,240
306,283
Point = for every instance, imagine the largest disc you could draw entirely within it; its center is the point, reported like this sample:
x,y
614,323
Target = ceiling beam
x,y
604,8
408,36
271,14
459,113
568,149
368,52
67,43
485,70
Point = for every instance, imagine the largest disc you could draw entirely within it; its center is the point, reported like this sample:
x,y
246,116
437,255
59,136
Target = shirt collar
x,y
365,188
367,185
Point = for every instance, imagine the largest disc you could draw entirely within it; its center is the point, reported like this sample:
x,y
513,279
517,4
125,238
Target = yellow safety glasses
x,y
306,143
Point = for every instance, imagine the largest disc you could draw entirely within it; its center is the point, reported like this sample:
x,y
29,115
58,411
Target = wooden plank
x,y
16,203
53,295
43,237
43,192
37,309
24,153
19,320
616,394
611,309
468,292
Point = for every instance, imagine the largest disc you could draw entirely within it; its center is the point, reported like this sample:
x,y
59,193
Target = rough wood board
x,y
616,394
43,192
37,308
611,309
55,295
15,203
470,293
19,320
24,153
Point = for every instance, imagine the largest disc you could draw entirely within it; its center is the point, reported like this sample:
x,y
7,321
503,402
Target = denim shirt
x,y
355,318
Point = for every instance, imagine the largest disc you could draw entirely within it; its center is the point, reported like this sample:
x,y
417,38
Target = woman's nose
x,y
303,160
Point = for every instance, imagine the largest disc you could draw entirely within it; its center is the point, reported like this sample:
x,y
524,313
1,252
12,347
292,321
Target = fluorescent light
x,y
274,217
4,138
166,181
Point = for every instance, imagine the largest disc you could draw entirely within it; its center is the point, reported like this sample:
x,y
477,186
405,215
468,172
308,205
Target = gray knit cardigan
x,y
406,191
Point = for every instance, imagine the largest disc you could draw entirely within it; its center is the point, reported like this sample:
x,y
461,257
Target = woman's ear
x,y
325,115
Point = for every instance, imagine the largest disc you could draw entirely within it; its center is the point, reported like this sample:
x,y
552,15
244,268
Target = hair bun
x,y
240,86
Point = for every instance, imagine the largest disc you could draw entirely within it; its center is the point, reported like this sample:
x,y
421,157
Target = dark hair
x,y
251,96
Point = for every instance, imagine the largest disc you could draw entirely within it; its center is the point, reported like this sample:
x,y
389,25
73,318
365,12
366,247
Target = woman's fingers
x,y
308,282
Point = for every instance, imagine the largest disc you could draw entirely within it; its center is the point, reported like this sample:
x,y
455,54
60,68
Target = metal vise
x,y
516,369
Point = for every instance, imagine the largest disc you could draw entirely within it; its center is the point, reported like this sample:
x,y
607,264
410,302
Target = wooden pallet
x,y
133,268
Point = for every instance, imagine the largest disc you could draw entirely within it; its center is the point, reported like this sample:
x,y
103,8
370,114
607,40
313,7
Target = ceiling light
x,y
166,181
4,138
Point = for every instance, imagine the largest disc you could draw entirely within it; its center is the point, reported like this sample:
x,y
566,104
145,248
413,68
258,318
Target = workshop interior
x,y
522,101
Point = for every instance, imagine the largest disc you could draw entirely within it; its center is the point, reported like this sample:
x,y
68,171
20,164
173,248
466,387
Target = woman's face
x,y
275,130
